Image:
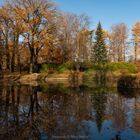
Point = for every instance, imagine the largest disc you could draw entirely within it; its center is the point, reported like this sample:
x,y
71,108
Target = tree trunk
x,y
7,54
13,56
124,51
18,60
33,60
135,52
14,53
2,57
31,63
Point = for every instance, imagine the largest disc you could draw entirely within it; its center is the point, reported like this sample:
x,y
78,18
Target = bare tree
x,y
117,42
73,29
136,38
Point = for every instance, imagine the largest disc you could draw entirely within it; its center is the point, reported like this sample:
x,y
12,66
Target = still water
x,y
59,112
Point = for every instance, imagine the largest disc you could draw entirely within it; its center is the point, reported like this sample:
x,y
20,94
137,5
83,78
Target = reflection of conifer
x,y
99,100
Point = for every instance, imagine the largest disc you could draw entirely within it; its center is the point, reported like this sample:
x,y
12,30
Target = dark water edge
x,y
59,111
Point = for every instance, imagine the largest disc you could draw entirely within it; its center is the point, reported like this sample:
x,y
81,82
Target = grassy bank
x,y
66,72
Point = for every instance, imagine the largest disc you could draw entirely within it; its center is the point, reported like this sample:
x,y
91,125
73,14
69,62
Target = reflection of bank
x,y
136,119
128,93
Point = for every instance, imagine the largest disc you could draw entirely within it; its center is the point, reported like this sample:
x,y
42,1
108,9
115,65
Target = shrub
x,y
123,66
85,66
100,67
61,68
47,68
44,68
82,66
127,81
54,67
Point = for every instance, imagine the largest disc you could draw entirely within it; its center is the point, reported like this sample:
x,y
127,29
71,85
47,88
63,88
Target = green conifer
x,y
99,52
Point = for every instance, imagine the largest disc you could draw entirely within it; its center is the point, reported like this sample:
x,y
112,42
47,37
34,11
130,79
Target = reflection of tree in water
x,y
8,115
101,76
136,119
117,136
18,121
126,94
117,111
68,113
99,99
29,114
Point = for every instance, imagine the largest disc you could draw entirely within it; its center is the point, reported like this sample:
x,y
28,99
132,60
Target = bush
x,y
86,66
115,66
101,67
54,67
61,68
44,68
82,66
123,66
47,68
127,81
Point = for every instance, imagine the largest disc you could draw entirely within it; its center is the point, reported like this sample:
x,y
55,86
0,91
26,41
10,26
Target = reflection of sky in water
x,y
108,132
130,111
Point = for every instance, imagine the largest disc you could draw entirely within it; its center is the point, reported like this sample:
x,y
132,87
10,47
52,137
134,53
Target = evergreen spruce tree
x,y
99,52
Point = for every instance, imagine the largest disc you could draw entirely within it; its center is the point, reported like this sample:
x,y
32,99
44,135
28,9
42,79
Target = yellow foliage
x,y
136,31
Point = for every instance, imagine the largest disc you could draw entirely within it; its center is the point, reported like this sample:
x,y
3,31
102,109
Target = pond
x,y
59,111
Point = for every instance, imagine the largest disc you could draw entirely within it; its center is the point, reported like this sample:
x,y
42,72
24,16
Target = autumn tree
x,y
10,28
38,20
99,50
17,30
5,24
136,38
35,28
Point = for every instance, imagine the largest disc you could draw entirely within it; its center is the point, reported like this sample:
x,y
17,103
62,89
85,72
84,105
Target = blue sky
x,y
107,11
1,1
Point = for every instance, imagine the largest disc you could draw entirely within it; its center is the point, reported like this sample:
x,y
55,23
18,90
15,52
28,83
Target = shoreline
x,y
66,77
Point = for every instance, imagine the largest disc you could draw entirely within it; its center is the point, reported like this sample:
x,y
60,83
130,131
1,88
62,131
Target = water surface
x,y
51,112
